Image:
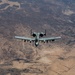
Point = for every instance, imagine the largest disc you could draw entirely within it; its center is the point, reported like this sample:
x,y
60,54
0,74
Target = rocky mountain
x,y
18,17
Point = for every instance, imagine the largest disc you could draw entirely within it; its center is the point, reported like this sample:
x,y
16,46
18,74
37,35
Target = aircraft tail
x,y
31,32
45,32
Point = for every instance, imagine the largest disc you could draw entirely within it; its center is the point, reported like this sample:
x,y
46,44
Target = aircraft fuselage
x,y
37,39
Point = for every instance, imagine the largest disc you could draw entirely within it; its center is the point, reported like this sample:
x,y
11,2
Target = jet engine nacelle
x,y
41,35
33,35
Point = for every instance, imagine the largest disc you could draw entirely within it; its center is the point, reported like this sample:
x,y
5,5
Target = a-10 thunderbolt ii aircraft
x,y
37,37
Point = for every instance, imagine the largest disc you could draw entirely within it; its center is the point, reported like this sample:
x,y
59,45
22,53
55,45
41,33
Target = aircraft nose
x,y
36,43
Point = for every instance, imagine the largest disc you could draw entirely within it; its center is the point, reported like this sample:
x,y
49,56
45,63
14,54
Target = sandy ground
x,y
48,61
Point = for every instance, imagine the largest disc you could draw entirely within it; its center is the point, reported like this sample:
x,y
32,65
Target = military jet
x,y
37,37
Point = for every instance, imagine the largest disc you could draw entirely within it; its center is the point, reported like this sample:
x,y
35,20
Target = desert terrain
x,y
54,60
18,17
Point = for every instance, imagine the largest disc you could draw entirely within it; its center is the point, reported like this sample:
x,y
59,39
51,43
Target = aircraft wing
x,y
49,39
24,38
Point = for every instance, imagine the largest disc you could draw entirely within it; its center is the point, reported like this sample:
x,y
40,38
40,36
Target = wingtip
x,y
15,36
59,37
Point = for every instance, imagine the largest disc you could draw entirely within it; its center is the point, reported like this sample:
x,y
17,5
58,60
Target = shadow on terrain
x,y
14,71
